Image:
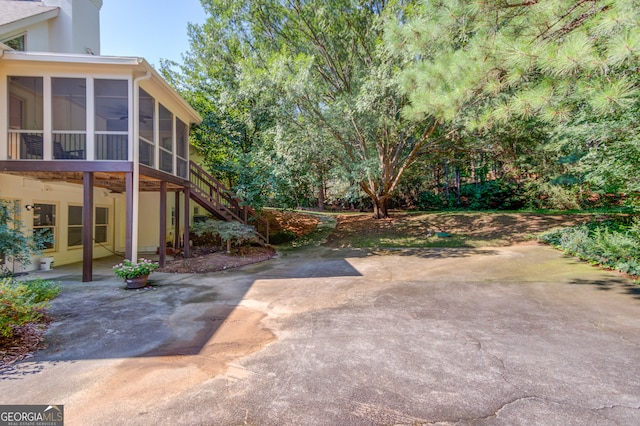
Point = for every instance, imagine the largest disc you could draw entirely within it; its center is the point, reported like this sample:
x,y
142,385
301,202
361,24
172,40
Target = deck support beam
x,y
128,249
176,222
187,196
87,227
162,251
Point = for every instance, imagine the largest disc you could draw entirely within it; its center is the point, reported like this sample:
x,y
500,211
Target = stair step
x,y
213,186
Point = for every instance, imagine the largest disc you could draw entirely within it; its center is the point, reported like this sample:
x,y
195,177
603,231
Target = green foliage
x,y
614,244
231,231
540,194
15,242
428,200
304,99
602,152
236,231
306,91
499,194
23,302
127,269
564,71
526,59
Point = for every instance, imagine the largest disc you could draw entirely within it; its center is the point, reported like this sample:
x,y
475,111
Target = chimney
x,y
77,27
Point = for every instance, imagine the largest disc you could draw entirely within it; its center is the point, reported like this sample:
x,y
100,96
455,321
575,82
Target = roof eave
x,y
71,58
197,119
21,24
138,63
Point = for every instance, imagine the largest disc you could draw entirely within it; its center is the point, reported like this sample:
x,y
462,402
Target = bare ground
x,y
475,229
213,261
402,229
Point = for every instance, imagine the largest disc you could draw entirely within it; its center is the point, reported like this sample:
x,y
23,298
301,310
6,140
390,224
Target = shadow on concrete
x,y
619,285
176,314
423,253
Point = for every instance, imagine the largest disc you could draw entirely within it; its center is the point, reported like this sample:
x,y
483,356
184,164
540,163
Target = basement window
x,y
44,220
74,230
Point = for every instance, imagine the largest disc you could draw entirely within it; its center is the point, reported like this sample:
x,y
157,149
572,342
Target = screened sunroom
x,y
100,141
64,111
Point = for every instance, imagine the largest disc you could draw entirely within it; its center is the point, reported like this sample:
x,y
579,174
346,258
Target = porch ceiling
x,y
114,182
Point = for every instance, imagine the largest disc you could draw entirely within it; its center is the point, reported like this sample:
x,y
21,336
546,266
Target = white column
x,y
47,119
91,120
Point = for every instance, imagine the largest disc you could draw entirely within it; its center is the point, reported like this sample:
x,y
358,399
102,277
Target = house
x,y
91,146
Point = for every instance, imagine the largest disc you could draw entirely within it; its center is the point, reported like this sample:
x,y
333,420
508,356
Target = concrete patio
x,y
512,335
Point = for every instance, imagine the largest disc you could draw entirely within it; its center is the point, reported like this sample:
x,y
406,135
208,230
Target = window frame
x,y
143,141
107,225
166,150
55,226
108,134
182,143
75,226
32,137
23,42
69,143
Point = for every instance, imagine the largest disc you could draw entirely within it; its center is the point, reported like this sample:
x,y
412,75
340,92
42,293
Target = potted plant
x,y
135,275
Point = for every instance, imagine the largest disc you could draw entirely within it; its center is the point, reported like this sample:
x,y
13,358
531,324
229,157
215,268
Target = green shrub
x,y
231,232
23,302
612,243
428,200
499,194
15,241
544,195
42,290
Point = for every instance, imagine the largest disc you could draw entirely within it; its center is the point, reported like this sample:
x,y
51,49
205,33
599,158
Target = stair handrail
x,y
220,198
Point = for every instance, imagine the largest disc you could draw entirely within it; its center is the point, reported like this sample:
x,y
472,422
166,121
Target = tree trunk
x,y
380,207
321,196
458,184
446,181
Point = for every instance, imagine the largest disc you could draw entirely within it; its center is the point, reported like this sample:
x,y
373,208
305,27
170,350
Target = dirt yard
x,y
401,230
446,229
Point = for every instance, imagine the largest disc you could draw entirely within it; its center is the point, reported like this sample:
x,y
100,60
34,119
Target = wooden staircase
x,y
220,202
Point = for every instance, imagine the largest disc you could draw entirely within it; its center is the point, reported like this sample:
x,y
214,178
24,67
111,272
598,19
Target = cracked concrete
x,y
499,336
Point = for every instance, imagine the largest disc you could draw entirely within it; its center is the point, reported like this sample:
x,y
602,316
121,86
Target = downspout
x,y
136,164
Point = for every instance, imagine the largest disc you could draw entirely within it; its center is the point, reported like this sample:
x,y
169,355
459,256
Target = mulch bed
x,y
210,259
26,339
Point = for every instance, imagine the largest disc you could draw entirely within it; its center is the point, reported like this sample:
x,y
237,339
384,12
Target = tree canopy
x,y
532,58
297,94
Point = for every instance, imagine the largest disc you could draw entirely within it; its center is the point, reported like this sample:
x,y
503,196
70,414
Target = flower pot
x,y
45,263
137,282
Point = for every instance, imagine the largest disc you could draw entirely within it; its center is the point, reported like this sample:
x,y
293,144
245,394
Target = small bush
x,y
544,195
231,232
23,302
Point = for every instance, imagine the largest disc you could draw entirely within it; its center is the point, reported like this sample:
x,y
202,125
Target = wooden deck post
x,y
87,227
128,251
176,223
163,224
187,196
